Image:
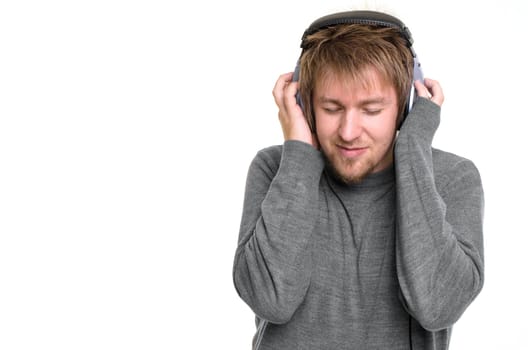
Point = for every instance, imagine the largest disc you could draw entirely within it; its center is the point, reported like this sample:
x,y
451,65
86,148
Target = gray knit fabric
x,y
390,263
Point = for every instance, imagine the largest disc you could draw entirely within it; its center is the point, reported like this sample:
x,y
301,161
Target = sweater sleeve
x,y
439,243
272,266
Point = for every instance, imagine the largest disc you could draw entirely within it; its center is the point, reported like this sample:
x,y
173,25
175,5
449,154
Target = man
x,y
354,234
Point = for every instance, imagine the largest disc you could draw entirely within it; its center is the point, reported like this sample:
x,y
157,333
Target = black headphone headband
x,y
359,17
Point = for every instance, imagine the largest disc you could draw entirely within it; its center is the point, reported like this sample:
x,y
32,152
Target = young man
x,y
355,235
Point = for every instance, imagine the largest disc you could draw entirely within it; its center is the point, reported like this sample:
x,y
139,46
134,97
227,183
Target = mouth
x,y
351,152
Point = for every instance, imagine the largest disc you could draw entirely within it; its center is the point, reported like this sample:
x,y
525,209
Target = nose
x,y
351,126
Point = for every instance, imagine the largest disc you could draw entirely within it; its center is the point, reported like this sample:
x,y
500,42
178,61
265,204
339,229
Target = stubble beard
x,y
348,171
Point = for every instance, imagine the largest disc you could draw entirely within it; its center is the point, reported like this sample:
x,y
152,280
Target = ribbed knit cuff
x,y
302,158
423,120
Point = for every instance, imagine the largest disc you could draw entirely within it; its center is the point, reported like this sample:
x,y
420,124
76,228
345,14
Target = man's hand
x,y
430,90
293,122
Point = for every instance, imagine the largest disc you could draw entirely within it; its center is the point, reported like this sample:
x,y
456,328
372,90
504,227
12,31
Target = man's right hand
x,y
293,122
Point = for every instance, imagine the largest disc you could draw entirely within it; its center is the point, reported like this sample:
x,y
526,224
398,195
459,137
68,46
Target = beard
x,y
348,171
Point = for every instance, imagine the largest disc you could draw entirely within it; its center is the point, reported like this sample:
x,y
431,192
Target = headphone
x,y
372,18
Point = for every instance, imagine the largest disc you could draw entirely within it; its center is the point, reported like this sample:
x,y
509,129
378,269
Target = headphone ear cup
x,y
296,74
407,108
297,70
417,75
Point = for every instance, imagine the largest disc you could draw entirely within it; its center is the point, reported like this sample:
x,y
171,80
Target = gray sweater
x,y
390,263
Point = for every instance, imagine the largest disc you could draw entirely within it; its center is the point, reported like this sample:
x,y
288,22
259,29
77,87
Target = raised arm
x,y
273,260
440,204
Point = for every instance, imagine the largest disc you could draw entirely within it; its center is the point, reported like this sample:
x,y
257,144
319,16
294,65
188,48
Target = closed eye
x,y
332,110
372,112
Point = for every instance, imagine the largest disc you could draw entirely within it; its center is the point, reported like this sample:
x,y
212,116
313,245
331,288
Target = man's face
x,y
356,124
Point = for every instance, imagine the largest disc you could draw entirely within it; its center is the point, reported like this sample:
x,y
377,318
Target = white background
x,y
126,130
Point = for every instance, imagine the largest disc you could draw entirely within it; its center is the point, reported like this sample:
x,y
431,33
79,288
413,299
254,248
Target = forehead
x,y
368,81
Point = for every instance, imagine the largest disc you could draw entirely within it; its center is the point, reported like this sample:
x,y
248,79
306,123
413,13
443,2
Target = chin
x,y
352,178
349,172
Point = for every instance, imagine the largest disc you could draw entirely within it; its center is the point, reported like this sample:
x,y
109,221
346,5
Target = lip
x,y
351,152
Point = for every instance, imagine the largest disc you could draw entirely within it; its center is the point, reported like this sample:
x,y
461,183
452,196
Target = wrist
x,y
302,137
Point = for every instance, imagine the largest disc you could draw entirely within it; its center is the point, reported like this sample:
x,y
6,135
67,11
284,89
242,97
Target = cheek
x,y
325,128
383,133
384,128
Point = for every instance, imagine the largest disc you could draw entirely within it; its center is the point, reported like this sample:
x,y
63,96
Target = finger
x,y
437,94
278,89
421,89
290,91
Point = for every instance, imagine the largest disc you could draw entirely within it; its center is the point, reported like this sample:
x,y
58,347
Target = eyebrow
x,y
365,102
